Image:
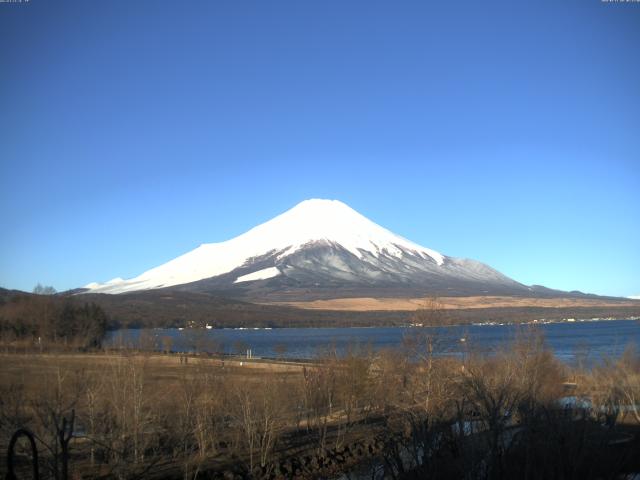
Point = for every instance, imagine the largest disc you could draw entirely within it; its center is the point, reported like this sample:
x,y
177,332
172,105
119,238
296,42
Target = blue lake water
x,y
588,341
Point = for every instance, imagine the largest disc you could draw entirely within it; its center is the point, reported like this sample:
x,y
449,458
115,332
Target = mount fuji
x,y
319,249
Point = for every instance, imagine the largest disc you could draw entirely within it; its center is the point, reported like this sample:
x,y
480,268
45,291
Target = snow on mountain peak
x,y
310,221
336,222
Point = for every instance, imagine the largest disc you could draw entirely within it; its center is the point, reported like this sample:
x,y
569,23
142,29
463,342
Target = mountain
x,y
320,249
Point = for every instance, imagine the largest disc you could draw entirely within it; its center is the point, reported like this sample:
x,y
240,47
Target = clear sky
x,y
133,131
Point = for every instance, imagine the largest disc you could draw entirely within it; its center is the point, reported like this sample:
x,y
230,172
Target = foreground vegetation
x,y
410,413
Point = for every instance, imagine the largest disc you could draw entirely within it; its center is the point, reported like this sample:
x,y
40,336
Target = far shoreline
x,y
406,326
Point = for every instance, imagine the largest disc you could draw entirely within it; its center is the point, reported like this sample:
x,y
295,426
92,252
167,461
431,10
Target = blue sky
x,y
133,131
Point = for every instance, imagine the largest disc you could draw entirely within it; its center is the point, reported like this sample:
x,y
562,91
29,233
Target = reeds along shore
x,y
407,413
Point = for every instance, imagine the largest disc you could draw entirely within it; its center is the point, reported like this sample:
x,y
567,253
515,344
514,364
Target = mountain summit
x,y
318,246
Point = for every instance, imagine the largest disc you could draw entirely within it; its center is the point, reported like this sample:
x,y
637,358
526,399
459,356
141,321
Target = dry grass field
x,y
452,303
163,372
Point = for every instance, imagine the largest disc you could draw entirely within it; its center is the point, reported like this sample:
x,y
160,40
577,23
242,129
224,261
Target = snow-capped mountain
x,y
318,244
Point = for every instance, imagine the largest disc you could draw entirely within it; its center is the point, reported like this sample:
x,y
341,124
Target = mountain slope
x,y
317,248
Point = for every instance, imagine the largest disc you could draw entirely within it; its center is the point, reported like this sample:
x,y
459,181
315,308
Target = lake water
x,y
589,340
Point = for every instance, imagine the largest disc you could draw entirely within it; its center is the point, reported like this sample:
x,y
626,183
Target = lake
x,y
588,340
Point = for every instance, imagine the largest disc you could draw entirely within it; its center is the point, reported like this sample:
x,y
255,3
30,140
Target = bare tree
x,y
167,344
130,413
93,412
147,342
54,416
257,408
491,388
44,290
628,376
431,313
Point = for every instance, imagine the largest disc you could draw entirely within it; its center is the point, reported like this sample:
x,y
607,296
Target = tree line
x,y
44,320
